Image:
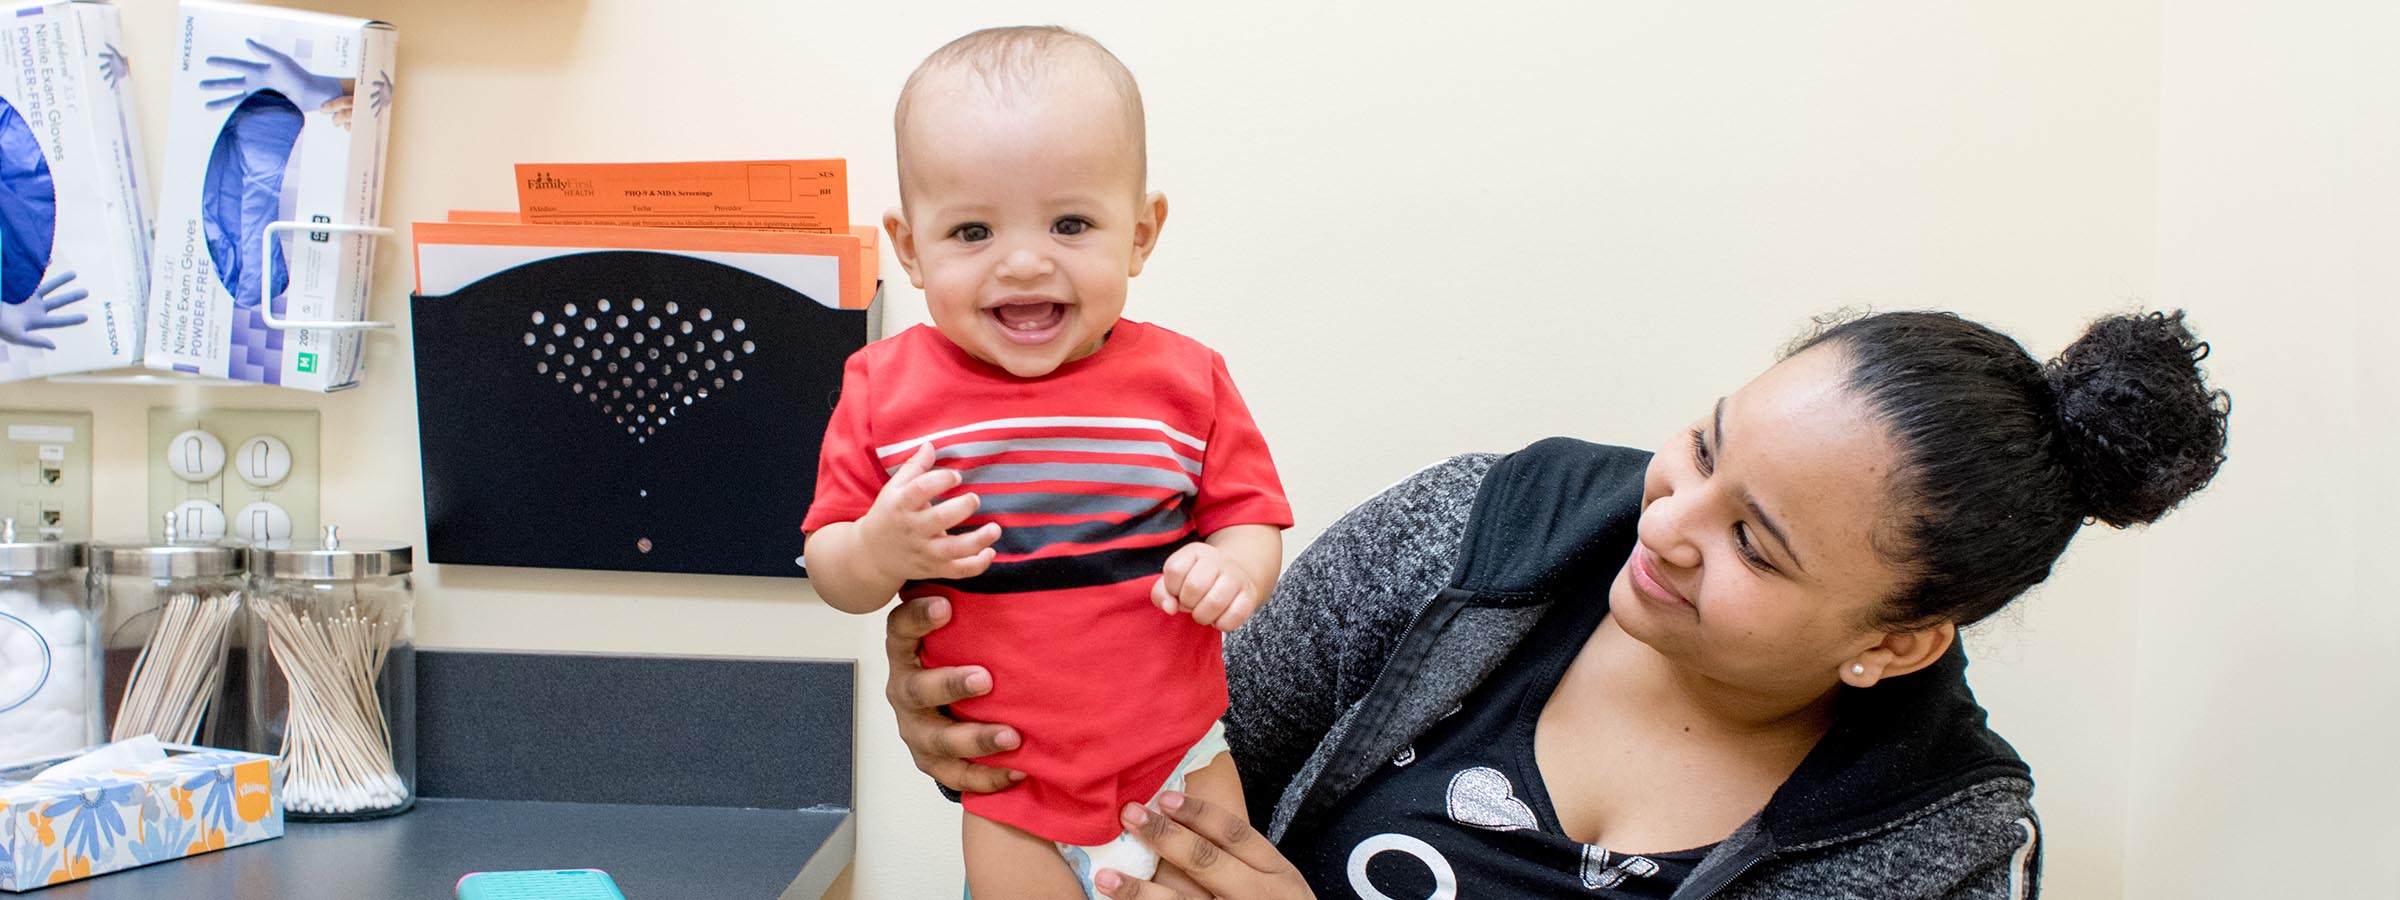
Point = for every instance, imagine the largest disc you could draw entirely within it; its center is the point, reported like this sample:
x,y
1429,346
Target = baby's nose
x,y
1025,262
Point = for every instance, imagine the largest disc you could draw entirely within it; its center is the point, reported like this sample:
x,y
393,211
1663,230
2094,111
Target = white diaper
x,y
1127,854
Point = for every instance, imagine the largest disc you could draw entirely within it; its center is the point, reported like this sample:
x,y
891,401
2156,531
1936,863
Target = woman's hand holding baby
x,y
942,746
1214,847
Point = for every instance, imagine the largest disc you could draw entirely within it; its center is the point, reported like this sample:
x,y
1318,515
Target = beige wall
x,y
2269,647
1421,229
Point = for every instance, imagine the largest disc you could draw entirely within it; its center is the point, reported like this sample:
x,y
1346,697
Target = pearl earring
x,y
1858,668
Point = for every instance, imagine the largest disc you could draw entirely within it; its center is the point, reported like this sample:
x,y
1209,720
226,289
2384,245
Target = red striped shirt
x,y
1096,473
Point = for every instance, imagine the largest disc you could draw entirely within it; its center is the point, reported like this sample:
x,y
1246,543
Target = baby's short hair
x,y
1015,59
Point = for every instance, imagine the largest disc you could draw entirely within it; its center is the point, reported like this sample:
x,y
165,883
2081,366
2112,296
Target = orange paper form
x,y
450,255
748,195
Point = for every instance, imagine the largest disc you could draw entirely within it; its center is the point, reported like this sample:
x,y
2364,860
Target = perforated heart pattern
x,y
642,365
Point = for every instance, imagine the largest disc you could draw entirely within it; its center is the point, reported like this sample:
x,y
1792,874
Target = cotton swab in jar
x,y
178,671
337,748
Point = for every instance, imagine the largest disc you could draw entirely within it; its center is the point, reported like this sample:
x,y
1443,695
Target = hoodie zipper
x,y
1718,885
1412,643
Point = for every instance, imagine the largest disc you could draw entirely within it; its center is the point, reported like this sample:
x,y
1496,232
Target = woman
x,y
1730,669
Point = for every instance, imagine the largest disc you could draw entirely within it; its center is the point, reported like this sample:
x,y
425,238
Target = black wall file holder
x,y
627,410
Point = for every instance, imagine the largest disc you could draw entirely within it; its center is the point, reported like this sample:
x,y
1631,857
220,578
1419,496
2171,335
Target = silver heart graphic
x,y
639,363
1482,797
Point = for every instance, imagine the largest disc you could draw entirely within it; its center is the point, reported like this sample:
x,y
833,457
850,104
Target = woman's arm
x,y
1338,611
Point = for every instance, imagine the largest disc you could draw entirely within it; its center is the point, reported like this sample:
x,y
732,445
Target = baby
x,y
1123,508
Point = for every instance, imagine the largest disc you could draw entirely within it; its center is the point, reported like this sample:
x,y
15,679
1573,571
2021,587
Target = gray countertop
x,y
684,778
653,852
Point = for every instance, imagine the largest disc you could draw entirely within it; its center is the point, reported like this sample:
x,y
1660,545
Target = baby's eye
x,y
972,232
1070,225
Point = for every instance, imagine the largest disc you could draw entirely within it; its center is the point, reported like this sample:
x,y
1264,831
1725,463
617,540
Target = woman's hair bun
x,y
2141,429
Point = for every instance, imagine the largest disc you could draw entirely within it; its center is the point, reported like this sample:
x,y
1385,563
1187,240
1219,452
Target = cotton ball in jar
x,y
16,727
28,732
45,676
21,676
15,626
23,659
64,625
22,605
66,686
62,732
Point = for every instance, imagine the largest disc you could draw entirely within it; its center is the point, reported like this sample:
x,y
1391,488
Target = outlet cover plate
x,y
296,493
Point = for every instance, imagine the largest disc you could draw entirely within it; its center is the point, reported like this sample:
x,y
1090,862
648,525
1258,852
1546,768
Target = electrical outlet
x,y
246,474
47,486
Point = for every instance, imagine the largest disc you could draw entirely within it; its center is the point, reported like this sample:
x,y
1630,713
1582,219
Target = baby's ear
x,y
904,245
1147,223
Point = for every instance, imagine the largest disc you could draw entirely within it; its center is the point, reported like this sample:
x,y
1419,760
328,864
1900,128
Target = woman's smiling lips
x,y
1646,580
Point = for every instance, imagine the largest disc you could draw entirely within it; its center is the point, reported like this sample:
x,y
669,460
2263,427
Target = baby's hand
x,y
1202,580
908,536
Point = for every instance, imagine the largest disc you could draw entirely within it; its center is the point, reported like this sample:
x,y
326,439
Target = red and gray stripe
x,y
1081,501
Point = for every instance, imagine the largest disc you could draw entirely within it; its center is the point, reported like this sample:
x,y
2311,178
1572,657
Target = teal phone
x,y
539,884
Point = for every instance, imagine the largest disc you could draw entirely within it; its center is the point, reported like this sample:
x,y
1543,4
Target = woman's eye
x,y
1750,554
1070,226
972,232
1700,457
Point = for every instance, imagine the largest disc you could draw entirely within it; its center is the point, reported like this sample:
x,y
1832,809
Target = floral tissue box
x,y
196,800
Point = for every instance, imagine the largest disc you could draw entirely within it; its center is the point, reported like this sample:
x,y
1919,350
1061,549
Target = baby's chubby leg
x,y
1005,862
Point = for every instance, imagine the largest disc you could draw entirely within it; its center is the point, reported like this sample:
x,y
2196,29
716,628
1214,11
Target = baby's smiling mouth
x,y
1029,318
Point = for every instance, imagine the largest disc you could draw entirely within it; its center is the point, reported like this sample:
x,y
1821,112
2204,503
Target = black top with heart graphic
x,y
1464,811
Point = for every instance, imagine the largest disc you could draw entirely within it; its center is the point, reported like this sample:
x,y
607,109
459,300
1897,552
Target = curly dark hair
x,y
2004,458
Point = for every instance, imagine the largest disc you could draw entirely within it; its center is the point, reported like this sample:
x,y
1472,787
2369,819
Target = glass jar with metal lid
x,y
49,649
335,691
170,610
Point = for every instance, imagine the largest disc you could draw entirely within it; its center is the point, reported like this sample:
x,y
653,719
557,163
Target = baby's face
x,y
1024,219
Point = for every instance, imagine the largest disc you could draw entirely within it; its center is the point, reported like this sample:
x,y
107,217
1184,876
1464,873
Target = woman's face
x,y
1757,566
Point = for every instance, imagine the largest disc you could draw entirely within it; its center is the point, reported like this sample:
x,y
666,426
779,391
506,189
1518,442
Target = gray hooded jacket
x,y
1407,602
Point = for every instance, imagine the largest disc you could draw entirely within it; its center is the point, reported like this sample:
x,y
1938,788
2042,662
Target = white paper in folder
x,y
453,255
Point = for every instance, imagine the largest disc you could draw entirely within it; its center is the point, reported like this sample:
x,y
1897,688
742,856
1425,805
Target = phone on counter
x,y
539,884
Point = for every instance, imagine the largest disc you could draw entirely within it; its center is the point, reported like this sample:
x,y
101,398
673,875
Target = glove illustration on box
x,y
265,126
70,195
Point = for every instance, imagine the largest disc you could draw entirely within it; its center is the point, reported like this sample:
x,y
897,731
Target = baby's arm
x,y
857,566
1222,579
